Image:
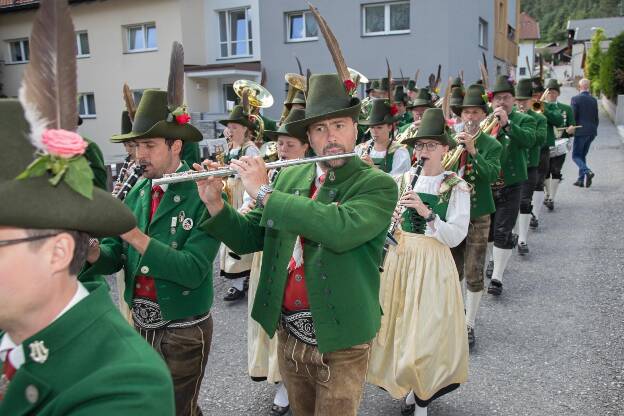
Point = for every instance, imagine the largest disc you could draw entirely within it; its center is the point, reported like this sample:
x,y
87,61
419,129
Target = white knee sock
x,y
501,258
488,252
554,185
238,283
281,396
523,227
410,399
547,185
420,411
473,299
538,202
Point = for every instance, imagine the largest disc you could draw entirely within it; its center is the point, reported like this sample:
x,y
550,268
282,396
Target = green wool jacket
x,y
94,156
190,153
521,136
344,230
179,259
97,365
554,119
540,138
568,116
405,120
481,171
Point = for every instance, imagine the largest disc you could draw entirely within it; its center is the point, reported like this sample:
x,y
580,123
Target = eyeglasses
x,y
4,243
431,146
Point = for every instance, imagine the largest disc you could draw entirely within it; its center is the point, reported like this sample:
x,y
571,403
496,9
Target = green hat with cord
x,y
294,115
432,126
238,115
553,84
503,84
423,99
472,98
524,89
380,113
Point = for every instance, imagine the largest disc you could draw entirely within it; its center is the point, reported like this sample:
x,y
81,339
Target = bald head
x,y
584,84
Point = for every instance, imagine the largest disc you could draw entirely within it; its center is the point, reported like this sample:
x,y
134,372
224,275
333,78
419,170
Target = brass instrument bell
x,y
259,97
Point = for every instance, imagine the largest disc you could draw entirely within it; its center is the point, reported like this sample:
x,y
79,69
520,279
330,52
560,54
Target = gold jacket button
x,y
32,394
144,269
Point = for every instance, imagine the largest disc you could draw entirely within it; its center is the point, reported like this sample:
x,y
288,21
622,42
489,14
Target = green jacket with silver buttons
x,y
481,171
179,256
344,230
89,361
540,138
516,141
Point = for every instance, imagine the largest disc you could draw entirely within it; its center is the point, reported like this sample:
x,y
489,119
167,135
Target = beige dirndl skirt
x,y
261,350
232,263
422,344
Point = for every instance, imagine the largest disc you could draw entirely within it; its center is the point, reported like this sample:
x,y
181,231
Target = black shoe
x,y
550,204
471,337
523,248
233,294
495,288
489,269
534,223
407,409
279,410
580,183
588,179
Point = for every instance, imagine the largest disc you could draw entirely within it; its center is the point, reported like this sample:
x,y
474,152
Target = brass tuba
x,y
253,96
296,83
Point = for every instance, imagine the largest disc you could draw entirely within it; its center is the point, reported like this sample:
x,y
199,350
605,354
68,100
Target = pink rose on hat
x,y
63,143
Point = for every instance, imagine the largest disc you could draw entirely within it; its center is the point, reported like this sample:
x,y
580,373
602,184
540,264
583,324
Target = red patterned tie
x,y
295,293
8,371
144,285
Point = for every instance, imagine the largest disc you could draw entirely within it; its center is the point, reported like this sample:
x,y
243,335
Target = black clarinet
x,y
129,183
418,167
123,170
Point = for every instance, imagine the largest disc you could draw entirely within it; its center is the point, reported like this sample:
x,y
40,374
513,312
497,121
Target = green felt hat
x,y
553,84
38,204
472,98
374,85
400,96
126,124
432,126
299,98
238,115
503,84
524,89
538,84
423,99
457,97
457,82
294,115
153,119
380,113
327,98
383,85
411,85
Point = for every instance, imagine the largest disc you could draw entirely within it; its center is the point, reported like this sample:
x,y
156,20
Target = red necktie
x,y
144,285
295,293
7,368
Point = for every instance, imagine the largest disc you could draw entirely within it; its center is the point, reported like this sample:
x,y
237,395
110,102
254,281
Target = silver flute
x,y
192,175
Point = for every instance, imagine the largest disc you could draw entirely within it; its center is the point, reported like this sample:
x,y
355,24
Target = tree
x,y
593,60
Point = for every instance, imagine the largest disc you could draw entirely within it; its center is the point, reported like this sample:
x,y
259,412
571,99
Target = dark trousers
x,y
526,195
469,256
543,169
507,202
556,163
185,351
580,148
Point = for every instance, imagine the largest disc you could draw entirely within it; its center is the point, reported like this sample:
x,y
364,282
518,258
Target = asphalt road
x,y
552,344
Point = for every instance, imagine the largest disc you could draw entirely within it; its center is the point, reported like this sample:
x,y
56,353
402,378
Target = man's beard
x,y
332,149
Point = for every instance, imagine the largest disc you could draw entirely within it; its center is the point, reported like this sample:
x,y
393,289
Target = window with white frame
x,y
483,33
235,33
86,105
82,44
386,18
19,51
141,38
301,27
229,97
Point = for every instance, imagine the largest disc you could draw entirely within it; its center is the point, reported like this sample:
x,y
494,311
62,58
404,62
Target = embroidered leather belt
x,y
147,315
300,325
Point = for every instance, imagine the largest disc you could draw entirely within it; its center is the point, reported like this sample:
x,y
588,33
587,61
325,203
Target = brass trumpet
x,y
485,126
538,106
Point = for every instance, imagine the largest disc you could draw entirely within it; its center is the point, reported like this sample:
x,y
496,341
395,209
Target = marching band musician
x,y
64,348
167,259
240,130
262,350
479,166
554,176
524,95
417,107
421,348
383,151
324,322
400,100
516,133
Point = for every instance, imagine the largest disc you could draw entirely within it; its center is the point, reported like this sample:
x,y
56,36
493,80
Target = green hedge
x,y
612,68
